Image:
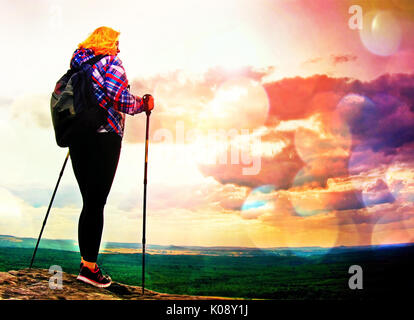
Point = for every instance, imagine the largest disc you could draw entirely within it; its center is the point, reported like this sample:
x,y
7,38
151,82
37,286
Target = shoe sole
x,y
94,283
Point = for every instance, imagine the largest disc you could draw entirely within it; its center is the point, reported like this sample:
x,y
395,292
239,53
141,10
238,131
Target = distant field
x,y
388,272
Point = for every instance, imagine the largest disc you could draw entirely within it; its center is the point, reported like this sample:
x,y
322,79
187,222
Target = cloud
x,y
331,218
68,196
218,75
217,99
299,98
208,195
5,102
32,110
343,58
380,122
378,193
313,60
359,125
278,170
340,135
384,213
335,59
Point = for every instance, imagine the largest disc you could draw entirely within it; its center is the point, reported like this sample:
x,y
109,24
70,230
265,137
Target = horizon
x,y
229,247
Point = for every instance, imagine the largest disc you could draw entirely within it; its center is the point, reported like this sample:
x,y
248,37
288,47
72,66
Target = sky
x,y
277,123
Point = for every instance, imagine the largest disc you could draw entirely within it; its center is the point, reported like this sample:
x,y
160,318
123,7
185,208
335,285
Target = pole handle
x,y
145,99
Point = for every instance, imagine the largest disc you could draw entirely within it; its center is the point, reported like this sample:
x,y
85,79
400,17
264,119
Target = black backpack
x,y
73,105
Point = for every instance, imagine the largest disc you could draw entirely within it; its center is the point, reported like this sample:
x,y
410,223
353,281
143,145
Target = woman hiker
x,y
95,156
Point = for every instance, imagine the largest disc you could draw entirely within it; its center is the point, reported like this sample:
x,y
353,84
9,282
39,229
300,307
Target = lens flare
x,y
309,235
305,200
400,180
381,33
332,138
260,201
375,128
386,231
368,180
263,213
357,112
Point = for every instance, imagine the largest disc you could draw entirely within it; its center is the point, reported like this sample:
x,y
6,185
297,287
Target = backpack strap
x,y
94,60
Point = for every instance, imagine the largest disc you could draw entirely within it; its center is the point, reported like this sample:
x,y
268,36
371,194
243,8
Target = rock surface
x,y
33,284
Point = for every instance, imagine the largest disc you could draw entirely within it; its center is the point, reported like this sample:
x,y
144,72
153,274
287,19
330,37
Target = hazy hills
x,y
8,241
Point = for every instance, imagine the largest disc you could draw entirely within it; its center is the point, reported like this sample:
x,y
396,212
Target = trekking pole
x,y
148,112
48,209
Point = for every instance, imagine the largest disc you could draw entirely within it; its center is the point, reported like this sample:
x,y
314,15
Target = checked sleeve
x,y
116,84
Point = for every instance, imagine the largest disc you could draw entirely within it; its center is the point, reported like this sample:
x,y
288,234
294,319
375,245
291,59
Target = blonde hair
x,y
102,41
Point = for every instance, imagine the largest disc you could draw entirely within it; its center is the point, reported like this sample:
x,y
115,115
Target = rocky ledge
x,y
33,284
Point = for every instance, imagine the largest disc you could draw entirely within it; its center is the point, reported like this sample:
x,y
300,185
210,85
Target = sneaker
x,y
94,278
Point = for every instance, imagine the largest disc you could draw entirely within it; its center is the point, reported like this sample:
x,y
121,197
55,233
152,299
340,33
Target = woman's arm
x,y
116,84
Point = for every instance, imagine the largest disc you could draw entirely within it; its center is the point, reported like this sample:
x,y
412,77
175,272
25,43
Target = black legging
x,y
94,160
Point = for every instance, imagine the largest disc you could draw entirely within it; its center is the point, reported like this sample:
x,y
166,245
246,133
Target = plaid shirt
x,y
111,89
